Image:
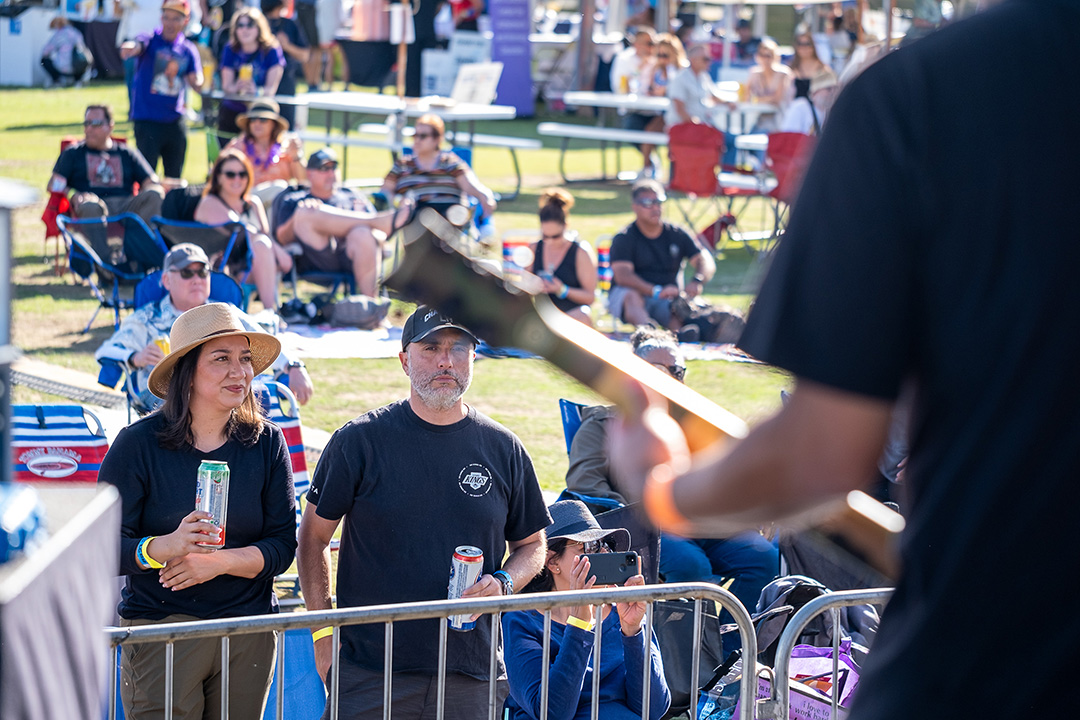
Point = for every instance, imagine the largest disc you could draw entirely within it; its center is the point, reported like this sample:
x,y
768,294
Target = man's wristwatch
x,y
505,580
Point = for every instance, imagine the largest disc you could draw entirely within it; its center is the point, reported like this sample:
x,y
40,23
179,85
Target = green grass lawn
x,y
49,312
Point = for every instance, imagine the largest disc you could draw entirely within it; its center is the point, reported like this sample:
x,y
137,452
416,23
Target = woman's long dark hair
x,y
245,423
545,581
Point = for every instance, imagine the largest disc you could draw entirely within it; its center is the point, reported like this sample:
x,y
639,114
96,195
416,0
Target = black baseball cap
x,y
426,320
321,158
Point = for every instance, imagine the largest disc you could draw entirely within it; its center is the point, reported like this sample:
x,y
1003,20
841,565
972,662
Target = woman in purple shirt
x,y
252,63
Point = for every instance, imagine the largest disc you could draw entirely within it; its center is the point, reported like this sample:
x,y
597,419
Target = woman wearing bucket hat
x,y
172,575
572,533
277,156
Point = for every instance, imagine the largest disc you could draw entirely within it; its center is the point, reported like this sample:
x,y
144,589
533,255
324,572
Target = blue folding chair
x,y
93,259
227,241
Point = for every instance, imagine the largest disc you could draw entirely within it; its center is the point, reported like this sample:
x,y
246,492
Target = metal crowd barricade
x,y
776,707
171,633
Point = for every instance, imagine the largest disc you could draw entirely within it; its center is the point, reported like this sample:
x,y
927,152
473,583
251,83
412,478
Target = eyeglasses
x,y
187,273
424,136
242,25
649,202
804,43
233,174
677,371
662,56
329,167
95,123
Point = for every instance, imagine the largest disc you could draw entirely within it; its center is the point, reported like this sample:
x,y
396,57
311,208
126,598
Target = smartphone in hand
x,y
613,568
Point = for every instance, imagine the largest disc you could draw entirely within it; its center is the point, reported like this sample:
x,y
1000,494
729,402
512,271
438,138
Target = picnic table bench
x,y
603,135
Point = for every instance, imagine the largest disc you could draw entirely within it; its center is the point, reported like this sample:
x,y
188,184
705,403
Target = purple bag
x,y
813,666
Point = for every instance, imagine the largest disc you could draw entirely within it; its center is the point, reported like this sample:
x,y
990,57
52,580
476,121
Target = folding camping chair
x,y
786,158
127,263
610,513
56,443
270,395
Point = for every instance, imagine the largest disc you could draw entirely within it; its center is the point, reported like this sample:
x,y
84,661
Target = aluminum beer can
x,y
465,569
212,494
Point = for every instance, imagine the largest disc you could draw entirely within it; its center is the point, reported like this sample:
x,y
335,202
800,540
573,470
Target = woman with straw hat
x,y
277,156
172,572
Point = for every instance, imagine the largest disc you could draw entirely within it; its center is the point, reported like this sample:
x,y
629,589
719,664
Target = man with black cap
x,y
414,480
338,230
647,258
185,275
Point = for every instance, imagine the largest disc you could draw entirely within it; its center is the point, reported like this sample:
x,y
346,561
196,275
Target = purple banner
x,y
510,24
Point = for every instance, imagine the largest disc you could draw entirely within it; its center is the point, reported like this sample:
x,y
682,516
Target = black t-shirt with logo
x,y
411,492
656,260
106,173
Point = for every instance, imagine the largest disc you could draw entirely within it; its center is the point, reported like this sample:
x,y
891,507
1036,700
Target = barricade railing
x,y
170,633
776,706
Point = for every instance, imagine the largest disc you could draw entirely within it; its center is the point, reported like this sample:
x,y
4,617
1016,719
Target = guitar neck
x,y
506,312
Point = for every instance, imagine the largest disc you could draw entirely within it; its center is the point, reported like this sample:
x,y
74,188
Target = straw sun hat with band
x,y
267,109
202,324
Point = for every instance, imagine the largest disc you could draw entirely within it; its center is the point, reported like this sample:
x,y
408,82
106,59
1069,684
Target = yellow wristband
x,y
319,634
579,623
659,500
144,552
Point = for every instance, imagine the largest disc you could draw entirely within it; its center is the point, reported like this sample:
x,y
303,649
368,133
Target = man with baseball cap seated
x,y
338,230
185,275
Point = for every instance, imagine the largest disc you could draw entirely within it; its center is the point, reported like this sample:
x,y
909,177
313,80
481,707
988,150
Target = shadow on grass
x,y
79,342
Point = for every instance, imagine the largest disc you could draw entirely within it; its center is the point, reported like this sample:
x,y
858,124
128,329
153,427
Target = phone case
x,y
613,568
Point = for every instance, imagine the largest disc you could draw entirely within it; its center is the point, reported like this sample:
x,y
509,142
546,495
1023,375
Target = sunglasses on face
x,y
188,273
242,25
424,135
329,167
259,120
677,371
95,123
596,546
662,56
233,174
649,202
804,43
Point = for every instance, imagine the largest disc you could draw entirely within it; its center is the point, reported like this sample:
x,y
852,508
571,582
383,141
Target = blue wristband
x,y
507,581
656,290
564,292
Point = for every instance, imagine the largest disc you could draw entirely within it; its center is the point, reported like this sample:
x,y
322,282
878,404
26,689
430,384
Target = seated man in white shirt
x,y
185,275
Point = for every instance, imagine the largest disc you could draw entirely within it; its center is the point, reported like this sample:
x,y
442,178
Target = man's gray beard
x,y
438,399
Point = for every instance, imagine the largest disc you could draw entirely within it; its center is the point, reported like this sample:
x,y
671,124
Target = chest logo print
x,y
474,480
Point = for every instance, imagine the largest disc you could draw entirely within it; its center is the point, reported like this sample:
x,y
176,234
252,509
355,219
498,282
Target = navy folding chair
x,y
100,261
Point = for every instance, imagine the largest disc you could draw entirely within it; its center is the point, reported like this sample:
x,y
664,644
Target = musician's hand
x,y
644,437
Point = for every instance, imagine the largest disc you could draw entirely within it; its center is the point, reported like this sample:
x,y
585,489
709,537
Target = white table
x,y
755,142
365,103
646,103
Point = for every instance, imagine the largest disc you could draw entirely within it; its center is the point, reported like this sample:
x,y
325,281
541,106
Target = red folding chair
x,y
785,163
694,152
